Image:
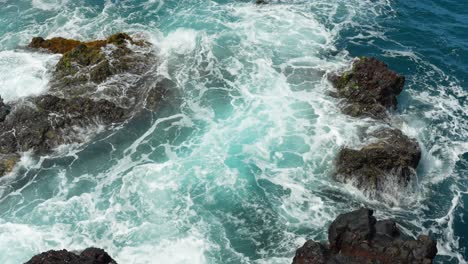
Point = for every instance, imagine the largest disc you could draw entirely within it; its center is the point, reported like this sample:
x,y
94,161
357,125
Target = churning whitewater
x,y
236,168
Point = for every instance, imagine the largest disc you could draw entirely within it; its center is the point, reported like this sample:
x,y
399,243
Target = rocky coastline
x,y
76,102
76,106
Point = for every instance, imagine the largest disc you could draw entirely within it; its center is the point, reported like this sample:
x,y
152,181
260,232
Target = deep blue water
x,y
239,171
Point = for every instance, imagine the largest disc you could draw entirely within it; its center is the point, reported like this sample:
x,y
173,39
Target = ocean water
x,y
237,169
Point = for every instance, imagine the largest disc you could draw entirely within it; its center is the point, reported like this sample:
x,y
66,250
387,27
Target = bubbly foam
x,y
32,68
239,172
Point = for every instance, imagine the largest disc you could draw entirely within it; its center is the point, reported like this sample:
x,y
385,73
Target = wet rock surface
x,y
45,122
88,256
357,237
119,61
391,159
94,85
370,88
4,110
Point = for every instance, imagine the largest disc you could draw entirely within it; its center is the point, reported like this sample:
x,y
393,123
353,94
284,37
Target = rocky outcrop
x,y
85,65
392,157
88,256
95,84
44,122
357,237
388,158
369,88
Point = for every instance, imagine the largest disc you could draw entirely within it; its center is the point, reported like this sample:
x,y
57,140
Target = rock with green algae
x,y
86,65
73,104
7,163
370,88
392,157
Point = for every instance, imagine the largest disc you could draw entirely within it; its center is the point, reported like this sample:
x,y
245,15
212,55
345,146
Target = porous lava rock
x,y
42,123
88,256
84,66
369,89
357,237
390,158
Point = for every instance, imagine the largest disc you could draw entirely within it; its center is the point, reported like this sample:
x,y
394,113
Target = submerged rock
x,y
369,88
88,256
43,123
357,237
391,158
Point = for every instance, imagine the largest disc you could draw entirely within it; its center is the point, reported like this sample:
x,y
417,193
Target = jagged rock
x,y
88,256
4,110
369,88
43,123
357,237
77,103
261,2
62,45
85,65
393,157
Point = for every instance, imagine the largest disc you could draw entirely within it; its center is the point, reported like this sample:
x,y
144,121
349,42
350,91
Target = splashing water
x,y
239,171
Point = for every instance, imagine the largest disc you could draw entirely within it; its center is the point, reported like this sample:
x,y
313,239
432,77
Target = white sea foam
x,y
24,74
255,108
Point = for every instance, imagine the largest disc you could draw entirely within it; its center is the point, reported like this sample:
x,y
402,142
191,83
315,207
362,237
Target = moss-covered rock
x,y
62,45
7,163
369,88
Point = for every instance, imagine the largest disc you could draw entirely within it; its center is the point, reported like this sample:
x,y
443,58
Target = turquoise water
x,y
237,168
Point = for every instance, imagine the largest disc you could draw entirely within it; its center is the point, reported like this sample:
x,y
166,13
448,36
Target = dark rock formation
x,y
85,65
88,256
4,110
357,237
369,88
45,122
95,83
392,157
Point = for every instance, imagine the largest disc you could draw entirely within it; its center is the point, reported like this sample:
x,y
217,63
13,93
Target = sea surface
x,y
239,171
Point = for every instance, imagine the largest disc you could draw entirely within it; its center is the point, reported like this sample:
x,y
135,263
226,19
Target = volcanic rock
x,y
391,158
43,123
370,88
86,65
88,256
4,110
357,237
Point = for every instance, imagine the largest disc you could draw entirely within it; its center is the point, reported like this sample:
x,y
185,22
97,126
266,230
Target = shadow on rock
x,y
357,237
